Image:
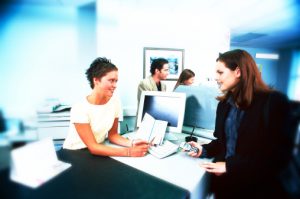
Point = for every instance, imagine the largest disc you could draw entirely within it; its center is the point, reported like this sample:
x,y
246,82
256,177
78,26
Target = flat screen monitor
x,y
201,105
167,106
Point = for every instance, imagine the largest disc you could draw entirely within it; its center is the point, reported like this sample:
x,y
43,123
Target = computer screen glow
x,y
167,106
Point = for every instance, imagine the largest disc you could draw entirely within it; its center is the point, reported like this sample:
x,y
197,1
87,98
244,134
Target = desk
x,y
94,177
178,169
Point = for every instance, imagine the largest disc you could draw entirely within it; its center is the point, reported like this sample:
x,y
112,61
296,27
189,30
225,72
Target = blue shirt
x,y
232,123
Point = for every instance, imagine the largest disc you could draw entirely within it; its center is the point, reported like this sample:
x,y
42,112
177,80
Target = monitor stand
x,y
191,137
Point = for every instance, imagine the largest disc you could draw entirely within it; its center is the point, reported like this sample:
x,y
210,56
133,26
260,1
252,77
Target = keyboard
x,y
164,150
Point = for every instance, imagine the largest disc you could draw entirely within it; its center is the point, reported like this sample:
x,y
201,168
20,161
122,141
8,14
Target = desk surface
x,y
94,177
178,169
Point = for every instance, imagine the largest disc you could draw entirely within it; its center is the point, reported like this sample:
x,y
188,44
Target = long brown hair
x,y
250,80
185,75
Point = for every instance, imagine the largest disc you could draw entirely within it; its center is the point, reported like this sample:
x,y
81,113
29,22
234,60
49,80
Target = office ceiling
x,y
265,23
253,23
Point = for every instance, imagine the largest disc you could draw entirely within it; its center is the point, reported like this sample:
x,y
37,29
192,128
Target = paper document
x,y
35,163
152,130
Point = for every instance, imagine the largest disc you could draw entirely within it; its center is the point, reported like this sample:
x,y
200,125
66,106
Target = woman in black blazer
x,y
251,145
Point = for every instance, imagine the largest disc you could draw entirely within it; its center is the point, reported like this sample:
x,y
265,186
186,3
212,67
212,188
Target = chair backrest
x,y
295,123
290,176
2,123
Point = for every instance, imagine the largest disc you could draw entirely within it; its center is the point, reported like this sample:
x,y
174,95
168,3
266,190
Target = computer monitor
x,y
167,106
201,105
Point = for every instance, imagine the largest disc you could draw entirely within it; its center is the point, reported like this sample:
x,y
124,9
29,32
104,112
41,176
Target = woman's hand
x,y
139,148
217,168
138,142
192,153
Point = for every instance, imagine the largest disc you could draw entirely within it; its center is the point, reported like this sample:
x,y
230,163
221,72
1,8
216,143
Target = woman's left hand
x,y
217,168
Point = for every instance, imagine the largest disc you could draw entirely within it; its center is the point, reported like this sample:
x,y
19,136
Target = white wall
x,y
45,50
43,55
124,28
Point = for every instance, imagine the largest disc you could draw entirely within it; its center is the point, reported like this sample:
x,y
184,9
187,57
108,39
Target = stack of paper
x,y
152,130
54,125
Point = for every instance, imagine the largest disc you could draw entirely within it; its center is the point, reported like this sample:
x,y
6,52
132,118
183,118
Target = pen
x,y
151,142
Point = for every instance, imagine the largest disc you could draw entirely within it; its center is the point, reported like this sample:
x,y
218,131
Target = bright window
x,y
294,82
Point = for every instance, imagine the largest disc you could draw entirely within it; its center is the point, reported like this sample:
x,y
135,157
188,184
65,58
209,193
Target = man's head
x,y
160,68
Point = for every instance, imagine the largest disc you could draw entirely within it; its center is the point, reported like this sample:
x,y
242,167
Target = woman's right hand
x,y
138,150
192,153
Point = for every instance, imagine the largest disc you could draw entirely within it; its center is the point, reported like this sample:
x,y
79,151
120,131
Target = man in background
x,y
159,71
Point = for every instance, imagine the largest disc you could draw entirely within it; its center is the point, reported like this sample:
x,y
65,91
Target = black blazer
x,y
263,146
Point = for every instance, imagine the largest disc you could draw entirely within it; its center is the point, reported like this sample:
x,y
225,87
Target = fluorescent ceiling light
x,y
267,55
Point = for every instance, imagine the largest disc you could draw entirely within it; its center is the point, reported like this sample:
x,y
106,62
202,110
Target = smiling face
x,y
226,78
107,84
